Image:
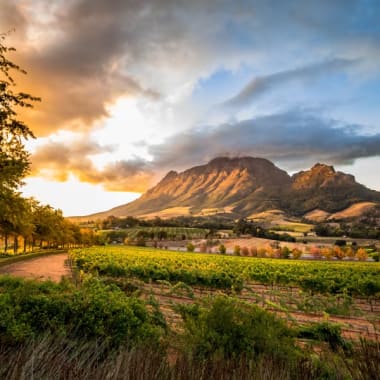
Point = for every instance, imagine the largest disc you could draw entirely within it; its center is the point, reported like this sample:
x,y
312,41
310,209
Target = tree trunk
x,y
15,244
5,243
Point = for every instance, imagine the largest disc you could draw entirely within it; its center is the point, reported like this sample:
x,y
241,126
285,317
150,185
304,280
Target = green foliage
x,y
244,226
190,247
285,252
95,310
222,249
223,271
14,159
325,332
225,327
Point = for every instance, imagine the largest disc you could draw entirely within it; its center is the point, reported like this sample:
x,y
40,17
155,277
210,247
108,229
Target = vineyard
x,y
230,272
301,292
159,233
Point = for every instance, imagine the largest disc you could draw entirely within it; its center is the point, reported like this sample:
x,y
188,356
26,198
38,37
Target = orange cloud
x,y
58,161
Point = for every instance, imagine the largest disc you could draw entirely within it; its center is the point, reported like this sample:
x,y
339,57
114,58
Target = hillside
x,y
242,186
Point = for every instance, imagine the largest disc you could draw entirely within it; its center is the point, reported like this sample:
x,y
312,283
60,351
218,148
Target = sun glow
x,y
75,197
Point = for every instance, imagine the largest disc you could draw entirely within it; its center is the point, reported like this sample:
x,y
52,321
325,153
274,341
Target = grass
x,y
294,227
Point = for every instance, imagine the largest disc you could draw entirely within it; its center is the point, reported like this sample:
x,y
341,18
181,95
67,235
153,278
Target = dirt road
x,y
46,267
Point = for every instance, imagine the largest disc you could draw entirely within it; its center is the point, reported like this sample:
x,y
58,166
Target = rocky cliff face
x,y
246,185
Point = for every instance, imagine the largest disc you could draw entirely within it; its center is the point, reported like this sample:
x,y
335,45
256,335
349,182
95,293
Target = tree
x,y
222,249
296,253
339,253
285,252
361,254
14,159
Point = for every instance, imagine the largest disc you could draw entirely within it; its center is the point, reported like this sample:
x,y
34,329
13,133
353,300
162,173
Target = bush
x,y
296,253
325,332
361,254
222,249
237,250
228,328
29,309
285,252
190,247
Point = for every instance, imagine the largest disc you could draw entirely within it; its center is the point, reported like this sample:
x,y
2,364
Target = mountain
x,y
247,185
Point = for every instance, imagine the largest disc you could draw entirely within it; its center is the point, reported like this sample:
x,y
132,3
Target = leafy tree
x,y
339,253
222,249
296,253
14,159
285,252
361,254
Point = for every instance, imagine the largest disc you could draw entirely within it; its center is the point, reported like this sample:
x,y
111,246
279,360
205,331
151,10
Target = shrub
x,y
325,332
190,247
361,254
227,328
285,252
327,253
339,253
349,252
315,252
95,310
237,250
222,249
296,253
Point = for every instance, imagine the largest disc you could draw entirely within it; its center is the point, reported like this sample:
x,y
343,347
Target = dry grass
x,y
167,213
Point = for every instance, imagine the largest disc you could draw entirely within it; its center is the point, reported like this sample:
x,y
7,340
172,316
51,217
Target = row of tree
x,y
31,224
19,217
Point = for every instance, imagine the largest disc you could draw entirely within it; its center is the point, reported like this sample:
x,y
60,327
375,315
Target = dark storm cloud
x,y
261,85
295,137
59,161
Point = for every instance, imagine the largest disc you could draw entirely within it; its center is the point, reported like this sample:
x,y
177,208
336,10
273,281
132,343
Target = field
x,y
171,233
230,272
299,291
133,312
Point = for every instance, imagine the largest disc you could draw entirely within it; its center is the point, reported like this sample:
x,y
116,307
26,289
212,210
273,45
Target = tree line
x,y
23,218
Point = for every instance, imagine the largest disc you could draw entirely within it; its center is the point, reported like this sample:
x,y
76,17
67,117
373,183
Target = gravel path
x,y
43,268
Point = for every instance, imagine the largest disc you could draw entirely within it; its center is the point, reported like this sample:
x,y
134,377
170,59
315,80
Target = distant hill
x,y
245,185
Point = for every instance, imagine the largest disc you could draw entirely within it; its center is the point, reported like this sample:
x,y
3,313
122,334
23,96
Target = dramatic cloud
x,y
294,138
83,54
173,60
261,85
59,161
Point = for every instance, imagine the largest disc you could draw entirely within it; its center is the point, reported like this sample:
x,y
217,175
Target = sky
x,y
132,89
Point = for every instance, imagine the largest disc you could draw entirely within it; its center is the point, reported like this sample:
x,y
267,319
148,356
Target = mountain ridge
x,y
244,185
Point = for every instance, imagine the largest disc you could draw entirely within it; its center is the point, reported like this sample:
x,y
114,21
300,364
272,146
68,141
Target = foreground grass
x,y
52,358
98,331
